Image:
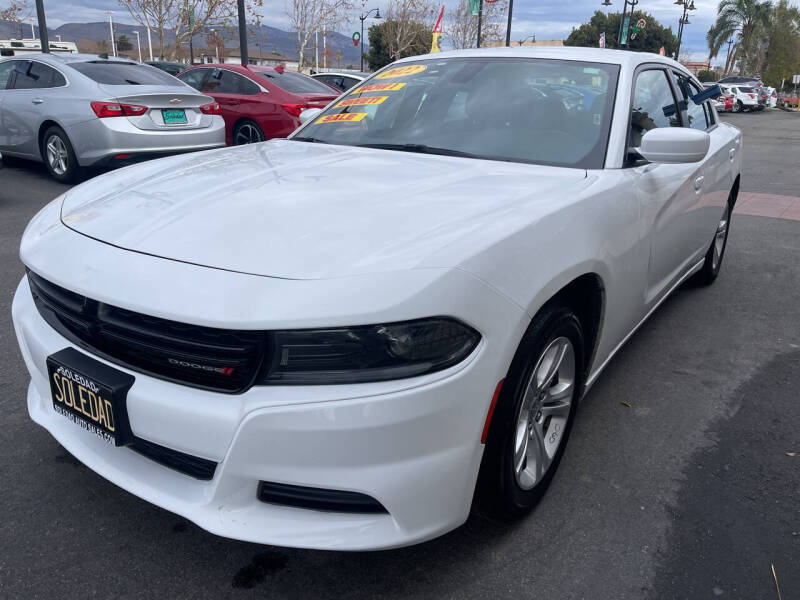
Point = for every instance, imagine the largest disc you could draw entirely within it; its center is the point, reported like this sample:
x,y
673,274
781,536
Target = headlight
x,y
368,352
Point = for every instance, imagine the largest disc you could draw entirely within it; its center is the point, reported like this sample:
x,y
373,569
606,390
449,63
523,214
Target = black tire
x,y
737,106
247,132
713,261
65,168
499,494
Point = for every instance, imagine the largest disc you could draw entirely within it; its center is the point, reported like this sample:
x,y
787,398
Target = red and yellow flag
x,y
436,43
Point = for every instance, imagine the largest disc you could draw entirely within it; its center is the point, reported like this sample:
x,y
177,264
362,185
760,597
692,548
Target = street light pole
x,y
480,19
42,26
111,28
523,40
150,44
242,32
508,27
363,17
684,20
138,44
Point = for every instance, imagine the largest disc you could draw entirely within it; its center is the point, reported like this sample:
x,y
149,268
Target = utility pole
x,y
728,56
687,6
42,26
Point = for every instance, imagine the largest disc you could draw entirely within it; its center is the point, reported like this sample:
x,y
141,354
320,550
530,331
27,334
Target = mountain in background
x,y
263,38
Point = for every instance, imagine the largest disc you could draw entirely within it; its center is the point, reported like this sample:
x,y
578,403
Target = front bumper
x,y
98,141
413,445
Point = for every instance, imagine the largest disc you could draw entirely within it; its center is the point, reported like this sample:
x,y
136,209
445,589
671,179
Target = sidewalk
x,y
768,205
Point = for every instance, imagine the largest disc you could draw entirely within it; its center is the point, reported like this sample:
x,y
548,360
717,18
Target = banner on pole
x,y
436,41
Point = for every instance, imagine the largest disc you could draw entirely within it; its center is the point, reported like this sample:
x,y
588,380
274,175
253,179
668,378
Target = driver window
x,y
653,105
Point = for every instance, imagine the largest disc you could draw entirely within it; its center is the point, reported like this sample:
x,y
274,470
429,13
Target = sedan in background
x,y
723,103
78,110
349,338
258,103
341,81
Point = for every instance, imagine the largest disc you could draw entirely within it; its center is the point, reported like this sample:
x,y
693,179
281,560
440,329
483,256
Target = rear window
x,y
295,83
746,90
118,73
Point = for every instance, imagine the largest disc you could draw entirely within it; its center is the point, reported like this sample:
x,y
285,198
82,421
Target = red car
x,y
258,103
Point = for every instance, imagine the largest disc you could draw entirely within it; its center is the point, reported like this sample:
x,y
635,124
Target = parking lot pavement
x,y
677,483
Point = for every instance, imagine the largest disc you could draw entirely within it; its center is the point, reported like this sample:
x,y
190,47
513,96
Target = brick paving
x,y
768,205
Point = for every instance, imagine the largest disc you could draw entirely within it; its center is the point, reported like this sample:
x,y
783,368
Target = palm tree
x,y
748,20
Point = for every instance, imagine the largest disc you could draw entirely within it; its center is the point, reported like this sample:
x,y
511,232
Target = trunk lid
x,y
157,99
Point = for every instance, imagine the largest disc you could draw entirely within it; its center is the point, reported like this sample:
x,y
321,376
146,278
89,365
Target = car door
x,y
18,121
6,68
224,86
714,180
666,192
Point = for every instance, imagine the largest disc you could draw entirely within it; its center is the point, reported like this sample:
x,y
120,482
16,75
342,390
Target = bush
x,y
706,75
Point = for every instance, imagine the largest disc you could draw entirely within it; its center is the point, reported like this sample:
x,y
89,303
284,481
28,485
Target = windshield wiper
x,y
301,138
421,149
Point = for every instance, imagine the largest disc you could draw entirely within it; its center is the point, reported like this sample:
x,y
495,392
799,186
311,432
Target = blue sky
x,y
547,19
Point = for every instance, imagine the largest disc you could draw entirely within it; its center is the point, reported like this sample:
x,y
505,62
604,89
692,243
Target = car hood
x,y
301,210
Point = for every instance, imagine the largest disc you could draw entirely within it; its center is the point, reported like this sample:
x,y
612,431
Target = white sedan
x,y
342,339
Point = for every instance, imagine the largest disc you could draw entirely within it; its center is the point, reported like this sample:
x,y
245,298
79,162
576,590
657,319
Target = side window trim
x,y
52,68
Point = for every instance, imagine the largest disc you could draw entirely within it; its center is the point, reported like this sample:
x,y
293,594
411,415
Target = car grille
x,y
222,360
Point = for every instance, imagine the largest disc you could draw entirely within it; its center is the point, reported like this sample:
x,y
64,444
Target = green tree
x,y
380,51
650,39
123,43
706,75
746,21
783,52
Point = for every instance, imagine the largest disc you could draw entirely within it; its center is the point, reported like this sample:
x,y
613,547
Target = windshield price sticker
x,y
402,71
380,87
342,118
366,101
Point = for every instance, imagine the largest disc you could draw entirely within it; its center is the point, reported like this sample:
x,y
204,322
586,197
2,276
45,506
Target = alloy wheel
x,y
57,155
544,412
720,238
247,134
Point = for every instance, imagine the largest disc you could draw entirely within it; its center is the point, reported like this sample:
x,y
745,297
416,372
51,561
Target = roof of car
x,y
67,58
360,74
601,55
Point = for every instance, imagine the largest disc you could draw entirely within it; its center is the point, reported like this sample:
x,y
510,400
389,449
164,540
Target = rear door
x,y
714,178
6,68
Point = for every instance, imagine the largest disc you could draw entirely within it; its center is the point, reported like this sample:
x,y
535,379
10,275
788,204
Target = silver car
x,y
79,110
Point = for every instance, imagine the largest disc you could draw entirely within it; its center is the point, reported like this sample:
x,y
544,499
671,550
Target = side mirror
x,y
309,114
674,145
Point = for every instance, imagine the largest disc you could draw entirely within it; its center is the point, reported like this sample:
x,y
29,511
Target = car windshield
x,y
552,112
296,83
746,90
120,73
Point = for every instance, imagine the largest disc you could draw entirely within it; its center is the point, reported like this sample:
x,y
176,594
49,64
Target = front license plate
x,y
173,116
90,394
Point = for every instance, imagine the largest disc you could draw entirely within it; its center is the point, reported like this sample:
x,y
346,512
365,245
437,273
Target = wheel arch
x,y
45,125
586,296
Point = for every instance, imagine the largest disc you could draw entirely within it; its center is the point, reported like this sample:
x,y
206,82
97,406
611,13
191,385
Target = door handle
x,y
37,100
698,183
732,153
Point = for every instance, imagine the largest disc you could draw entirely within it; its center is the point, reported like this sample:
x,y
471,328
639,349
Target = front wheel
x,y
533,417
